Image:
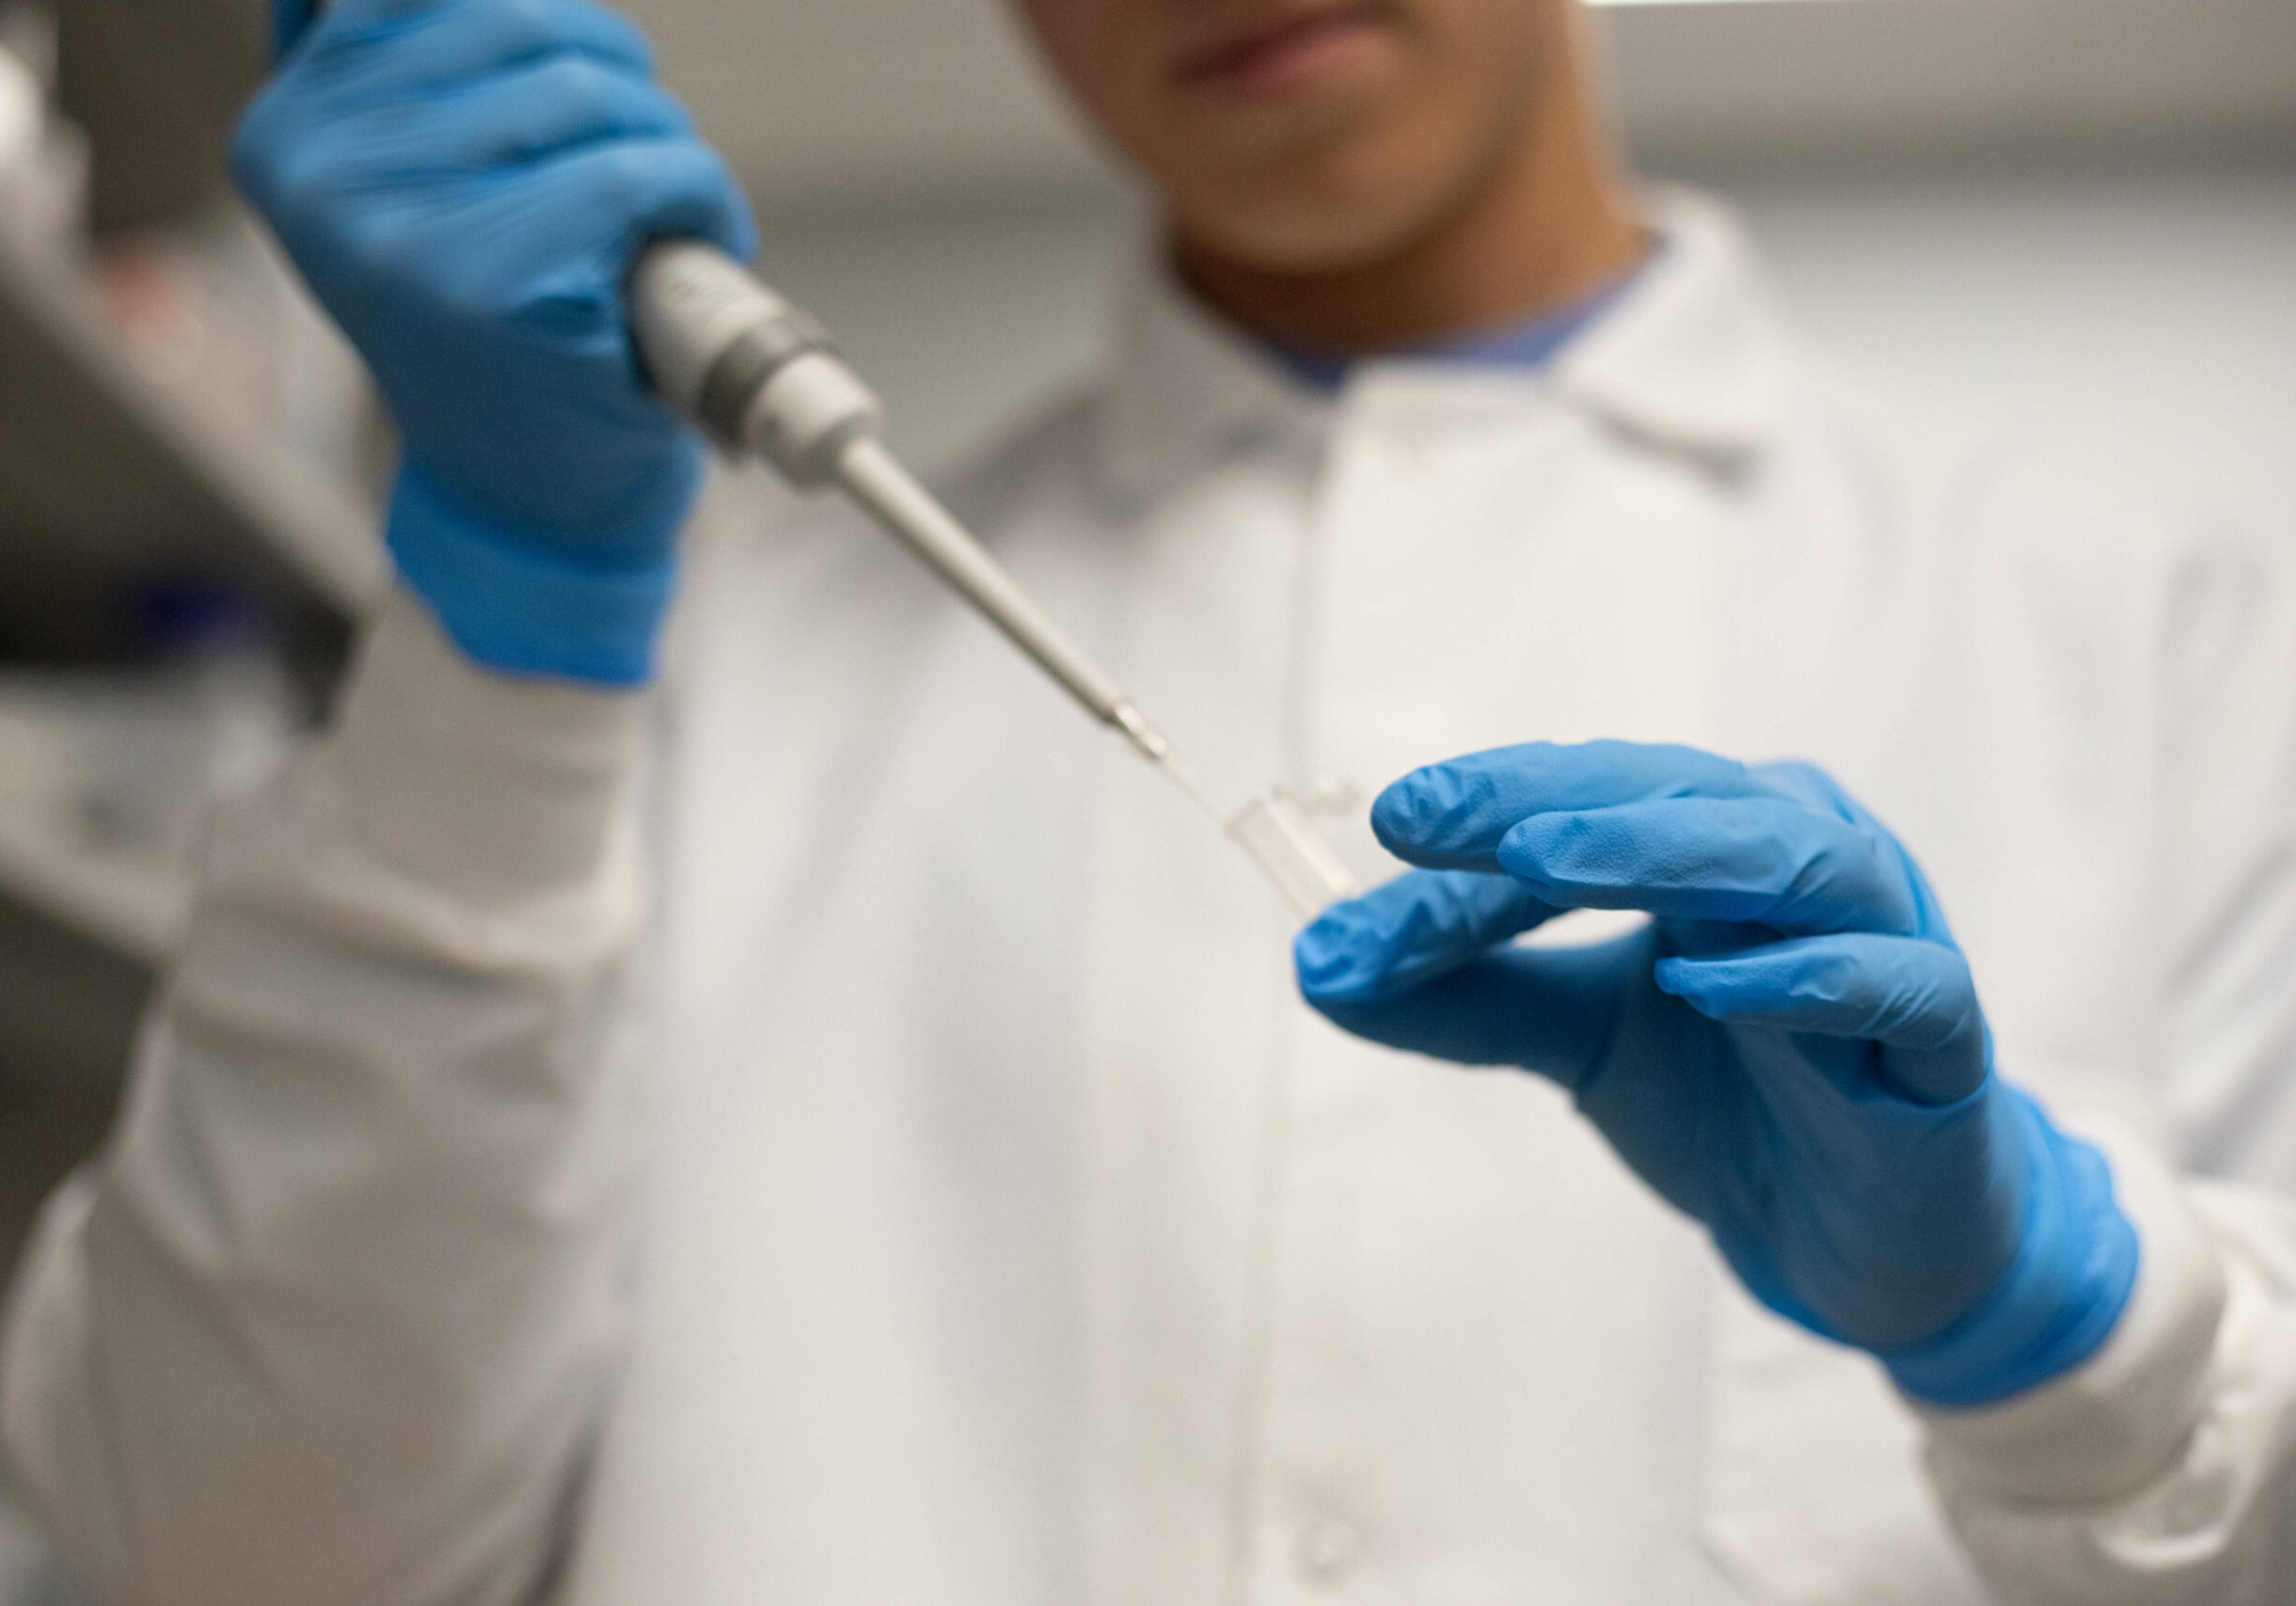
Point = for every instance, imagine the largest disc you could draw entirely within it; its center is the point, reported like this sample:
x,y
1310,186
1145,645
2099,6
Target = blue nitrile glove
x,y
289,18
464,184
1791,1052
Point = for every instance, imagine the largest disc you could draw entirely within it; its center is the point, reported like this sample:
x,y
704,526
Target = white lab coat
x,y
951,1200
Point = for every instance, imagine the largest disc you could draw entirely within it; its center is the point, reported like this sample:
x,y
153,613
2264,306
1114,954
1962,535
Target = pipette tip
x,y
1142,735
1150,744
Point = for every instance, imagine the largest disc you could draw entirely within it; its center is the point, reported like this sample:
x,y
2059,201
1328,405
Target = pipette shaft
x,y
874,478
762,377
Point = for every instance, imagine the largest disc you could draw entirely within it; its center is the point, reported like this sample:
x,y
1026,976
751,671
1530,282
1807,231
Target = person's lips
x,y
1279,52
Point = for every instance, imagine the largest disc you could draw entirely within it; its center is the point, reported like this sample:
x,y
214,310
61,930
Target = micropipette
x,y
762,377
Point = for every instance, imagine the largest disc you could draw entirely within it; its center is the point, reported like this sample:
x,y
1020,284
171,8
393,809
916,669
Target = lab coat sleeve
x,y
333,1315
2162,1473
2163,1470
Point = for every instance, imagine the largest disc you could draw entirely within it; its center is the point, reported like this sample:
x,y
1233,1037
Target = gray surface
x,y
850,100
2141,320
157,83
103,475
69,1011
70,1005
28,1573
1814,83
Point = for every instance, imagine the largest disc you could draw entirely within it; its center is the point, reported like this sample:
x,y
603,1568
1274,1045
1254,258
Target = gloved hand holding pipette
x,y
503,274
1792,1052
464,186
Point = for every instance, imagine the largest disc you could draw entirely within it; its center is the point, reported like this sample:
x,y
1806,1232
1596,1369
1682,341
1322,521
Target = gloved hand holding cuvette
x,y
1792,1052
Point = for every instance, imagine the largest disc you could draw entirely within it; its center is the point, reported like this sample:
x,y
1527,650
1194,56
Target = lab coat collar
x,y
1690,357
1189,387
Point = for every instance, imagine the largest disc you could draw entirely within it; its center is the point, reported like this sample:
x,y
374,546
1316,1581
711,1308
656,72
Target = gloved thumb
x,y
1422,964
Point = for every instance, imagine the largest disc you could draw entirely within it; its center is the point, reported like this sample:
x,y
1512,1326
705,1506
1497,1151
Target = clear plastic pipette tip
x,y
1153,745
1272,830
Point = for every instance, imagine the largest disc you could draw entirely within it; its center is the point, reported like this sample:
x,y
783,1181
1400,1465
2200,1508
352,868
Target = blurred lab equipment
x,y
124,762
207,310
43,159
185,531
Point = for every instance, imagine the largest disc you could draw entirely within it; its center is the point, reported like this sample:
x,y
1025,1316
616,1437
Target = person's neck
x,y
1551,223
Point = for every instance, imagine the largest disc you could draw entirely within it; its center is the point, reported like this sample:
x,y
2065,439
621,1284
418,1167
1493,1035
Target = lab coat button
x,y
1327,1552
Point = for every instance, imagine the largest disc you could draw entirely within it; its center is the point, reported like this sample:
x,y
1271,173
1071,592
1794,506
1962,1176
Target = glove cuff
x,y
2059,1297
522,609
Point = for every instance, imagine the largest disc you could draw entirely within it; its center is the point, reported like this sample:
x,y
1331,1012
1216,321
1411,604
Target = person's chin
x,y
1293,228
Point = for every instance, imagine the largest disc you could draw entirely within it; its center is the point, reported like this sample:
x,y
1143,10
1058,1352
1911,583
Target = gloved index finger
x,y
1768,860
1454,815
408,46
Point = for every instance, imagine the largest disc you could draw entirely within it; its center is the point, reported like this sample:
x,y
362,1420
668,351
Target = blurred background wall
x,y
2074,220
2068,218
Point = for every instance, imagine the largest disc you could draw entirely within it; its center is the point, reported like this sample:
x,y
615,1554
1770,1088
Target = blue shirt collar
x,y
1526,345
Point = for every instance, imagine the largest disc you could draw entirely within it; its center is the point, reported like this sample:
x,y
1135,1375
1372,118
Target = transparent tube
x,y
1280,839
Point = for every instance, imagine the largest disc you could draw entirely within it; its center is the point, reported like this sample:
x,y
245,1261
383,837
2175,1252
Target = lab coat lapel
x,y
1185,388
1692,359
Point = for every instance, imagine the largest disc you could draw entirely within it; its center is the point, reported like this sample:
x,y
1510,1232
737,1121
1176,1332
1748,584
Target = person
x,y
837,1128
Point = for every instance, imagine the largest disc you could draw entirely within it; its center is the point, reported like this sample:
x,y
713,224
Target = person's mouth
x,y
1274,54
